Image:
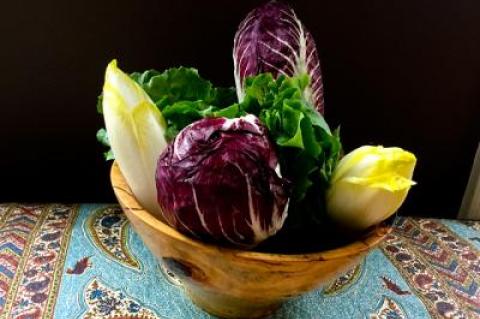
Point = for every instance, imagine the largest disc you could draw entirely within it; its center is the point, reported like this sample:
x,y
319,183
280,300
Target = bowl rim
x,y
128,201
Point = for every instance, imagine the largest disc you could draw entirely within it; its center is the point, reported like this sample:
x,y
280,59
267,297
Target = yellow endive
x,y
135,129
369,185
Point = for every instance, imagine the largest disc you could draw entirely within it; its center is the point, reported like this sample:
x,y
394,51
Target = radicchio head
x,y
219,180
272,39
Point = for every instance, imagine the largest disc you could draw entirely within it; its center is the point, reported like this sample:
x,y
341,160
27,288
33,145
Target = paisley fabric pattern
x,y
33,244
103,302
388,309
442,268
344,281
85,262
107,228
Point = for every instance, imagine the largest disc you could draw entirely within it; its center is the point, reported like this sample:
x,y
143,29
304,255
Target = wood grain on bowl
x,y
234,283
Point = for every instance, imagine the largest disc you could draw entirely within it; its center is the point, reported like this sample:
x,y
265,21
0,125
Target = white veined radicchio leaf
x,y
272,39
219,180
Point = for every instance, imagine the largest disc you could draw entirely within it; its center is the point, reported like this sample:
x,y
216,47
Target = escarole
x,y
136,133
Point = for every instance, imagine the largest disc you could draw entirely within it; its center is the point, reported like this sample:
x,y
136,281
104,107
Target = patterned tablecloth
x,y
84,261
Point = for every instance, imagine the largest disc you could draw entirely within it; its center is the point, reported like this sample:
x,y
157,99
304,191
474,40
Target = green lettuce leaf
x,y
184,97
102,137
307,149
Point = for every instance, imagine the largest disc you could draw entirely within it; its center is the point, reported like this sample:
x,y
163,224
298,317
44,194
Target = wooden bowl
x,y
234,283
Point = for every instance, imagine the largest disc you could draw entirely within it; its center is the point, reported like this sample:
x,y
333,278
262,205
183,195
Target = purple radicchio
x,y
219,180
272,39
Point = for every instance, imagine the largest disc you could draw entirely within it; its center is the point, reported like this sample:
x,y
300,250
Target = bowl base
x,y
230,307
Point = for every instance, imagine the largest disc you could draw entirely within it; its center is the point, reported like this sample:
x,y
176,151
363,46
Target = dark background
x,y
403,73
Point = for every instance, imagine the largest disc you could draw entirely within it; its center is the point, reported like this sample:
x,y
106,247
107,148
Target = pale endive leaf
x,y
136,132
369,185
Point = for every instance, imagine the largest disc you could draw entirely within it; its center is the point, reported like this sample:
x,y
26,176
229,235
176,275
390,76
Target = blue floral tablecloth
x,y
84,261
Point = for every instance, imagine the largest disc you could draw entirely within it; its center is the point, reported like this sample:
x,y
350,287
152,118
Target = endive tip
x,y
112,64
112,67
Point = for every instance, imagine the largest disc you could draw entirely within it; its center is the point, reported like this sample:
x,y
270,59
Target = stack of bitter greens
x,y
234,166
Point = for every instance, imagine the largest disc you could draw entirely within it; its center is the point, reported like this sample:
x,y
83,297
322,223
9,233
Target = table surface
x,y
84,261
